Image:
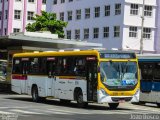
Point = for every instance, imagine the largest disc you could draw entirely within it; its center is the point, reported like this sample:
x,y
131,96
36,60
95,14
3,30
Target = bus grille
x,y
116,99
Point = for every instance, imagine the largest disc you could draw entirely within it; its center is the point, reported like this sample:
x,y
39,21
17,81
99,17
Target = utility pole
x,y
142,25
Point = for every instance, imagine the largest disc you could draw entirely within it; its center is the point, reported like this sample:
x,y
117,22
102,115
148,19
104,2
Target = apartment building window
x,y
62,1
17,14
87,13
44,1
148,10
68,34
86,33
134,9
32,1
106,32
54,2
116,31
70,0
30,15
133,31
117,9
96,12
61,16
0,15
95,32
147,33
5,31
6,14
107,10
78,14
77,34
69,15
15,30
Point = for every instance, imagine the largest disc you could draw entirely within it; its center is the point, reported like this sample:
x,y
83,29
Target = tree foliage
x,y
47,22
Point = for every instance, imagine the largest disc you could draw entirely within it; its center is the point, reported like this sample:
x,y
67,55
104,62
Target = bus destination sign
x,y
118,55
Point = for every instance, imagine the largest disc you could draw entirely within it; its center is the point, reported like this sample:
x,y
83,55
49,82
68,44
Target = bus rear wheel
x,y
80,101
62,101
35,95
113,105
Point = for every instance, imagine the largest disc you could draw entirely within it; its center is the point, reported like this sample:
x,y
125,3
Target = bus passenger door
x,y
51,76
24,78
92,79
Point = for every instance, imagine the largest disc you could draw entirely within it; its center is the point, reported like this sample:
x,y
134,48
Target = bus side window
x,y
147,71
34,65
51,67
42,65
144,71
80,67
59,66
16,66
157,71
150,71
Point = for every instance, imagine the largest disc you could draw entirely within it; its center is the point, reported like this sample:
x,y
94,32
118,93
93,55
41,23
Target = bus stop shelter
x,y
40,41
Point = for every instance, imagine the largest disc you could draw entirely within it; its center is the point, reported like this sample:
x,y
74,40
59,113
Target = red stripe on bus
x,y
18,77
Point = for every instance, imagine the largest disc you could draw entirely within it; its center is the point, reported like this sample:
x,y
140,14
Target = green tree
x,y
47,22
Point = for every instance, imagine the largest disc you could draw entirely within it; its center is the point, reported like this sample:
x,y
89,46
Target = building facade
x,y
114,23
16,14
157,36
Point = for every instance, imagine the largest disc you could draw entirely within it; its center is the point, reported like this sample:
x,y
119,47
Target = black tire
x,y
139,103
42,99
62,101
113,105
35,95
142,103
158,104
80,102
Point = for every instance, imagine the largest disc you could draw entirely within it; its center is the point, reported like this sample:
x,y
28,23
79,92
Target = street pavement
x,y
21,107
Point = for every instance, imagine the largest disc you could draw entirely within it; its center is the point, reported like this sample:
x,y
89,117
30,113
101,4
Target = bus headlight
x,y
136,96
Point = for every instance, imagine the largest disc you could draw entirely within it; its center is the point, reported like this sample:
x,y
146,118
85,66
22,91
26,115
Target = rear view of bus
x,y
119,78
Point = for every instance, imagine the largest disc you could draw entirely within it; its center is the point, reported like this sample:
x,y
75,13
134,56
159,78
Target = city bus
x,y
3,69
85,76
150,78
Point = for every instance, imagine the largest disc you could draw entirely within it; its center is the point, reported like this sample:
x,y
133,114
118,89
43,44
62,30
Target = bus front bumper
x,y
103,97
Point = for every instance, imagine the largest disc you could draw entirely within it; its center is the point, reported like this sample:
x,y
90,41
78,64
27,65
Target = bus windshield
x,y
118,74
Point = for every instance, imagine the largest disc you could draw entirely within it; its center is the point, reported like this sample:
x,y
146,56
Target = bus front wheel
x,y
113,105
35,95
158,104
80,101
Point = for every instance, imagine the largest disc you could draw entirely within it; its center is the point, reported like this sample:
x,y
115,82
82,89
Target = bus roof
x,y
68,52
57,53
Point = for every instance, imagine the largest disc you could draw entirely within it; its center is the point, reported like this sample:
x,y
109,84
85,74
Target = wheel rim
x,y
34,94
80,99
